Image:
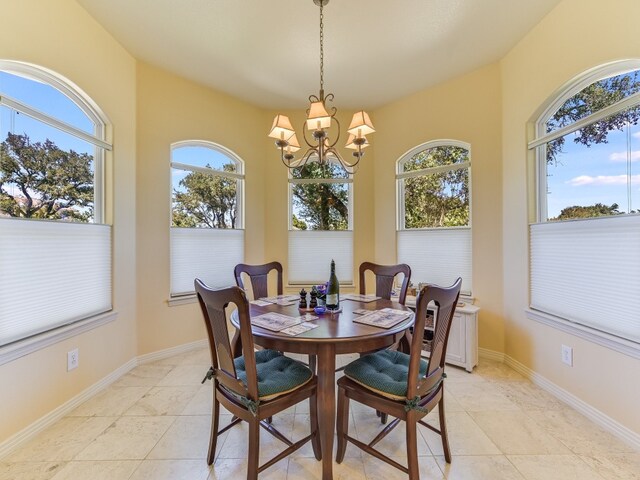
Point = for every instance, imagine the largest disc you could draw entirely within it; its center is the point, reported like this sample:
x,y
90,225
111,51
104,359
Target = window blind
x,y
311,252
209,254
51,274
438,255
588,272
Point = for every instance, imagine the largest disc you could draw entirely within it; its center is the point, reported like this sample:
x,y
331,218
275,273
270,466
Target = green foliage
x,y
438,199
592,99
40,180
578,211
320,206
208,200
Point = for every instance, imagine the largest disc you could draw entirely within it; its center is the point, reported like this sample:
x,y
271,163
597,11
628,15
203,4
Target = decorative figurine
x,y
313,303
303,299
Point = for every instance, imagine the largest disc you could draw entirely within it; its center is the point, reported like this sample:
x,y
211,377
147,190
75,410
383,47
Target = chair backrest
x,y
258,274
214,305
385,275
445,299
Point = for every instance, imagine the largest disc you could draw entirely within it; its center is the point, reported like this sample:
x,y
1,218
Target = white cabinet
x,y
462,349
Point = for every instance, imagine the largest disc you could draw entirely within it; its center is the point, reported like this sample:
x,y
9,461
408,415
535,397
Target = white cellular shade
x,y
51,274
209,254
311,252
438,255
588,272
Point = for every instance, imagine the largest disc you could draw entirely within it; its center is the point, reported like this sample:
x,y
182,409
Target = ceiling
x,y
267,52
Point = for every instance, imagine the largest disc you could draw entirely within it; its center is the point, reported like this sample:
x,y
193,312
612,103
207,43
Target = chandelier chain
x,y
321,47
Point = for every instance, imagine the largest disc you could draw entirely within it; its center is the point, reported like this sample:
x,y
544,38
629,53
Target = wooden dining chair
x,y
255,385
404,386
385,278
258,275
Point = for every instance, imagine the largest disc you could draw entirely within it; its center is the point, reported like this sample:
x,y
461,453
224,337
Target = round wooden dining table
x,y
336,334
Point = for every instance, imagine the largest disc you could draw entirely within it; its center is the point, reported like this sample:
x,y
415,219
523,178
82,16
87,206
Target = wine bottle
x,y
333,290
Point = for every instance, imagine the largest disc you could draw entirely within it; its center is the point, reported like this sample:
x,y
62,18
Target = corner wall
x,y
61,36
574,37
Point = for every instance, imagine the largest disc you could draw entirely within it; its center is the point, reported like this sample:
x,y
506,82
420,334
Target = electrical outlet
x,y
72,359
567,355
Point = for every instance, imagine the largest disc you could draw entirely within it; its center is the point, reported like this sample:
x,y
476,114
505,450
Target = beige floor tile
x,y
237,443
479,467
465,437
103,470
378,470
480,397
393,445
515,433
63,440
163,401
113,401
311,469
184,375
144,376
187,438
459,374
200,357
172,470
30,470
129,438
236,469
615,466
492,370
553,467
528,396
578,433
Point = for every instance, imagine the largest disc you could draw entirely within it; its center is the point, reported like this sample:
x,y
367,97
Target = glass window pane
x,y
203,200
437,200
436,157
320,206
589,171
201,156
44,172
45,98
316,170
594,98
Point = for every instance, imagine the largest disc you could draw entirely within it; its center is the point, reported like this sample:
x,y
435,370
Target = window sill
x,y
613,342
20,348
182,300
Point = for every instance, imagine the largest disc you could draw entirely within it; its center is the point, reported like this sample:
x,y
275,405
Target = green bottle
x,y
333,290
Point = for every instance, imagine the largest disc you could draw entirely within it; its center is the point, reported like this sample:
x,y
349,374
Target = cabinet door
x,y
456,351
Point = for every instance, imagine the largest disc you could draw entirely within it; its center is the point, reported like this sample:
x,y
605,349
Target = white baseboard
x,y
50,418
625,434
39,425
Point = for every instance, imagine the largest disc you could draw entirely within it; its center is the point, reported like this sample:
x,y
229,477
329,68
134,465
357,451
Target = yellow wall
x,y
171,109
574,37
61,36
466,109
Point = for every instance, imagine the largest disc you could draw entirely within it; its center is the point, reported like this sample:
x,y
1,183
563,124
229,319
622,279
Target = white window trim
x,y
537,146
20,348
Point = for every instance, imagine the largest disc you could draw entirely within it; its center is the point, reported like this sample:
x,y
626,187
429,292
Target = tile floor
x,y
153,424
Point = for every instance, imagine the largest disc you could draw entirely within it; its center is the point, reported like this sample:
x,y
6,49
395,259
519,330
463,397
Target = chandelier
x,y
320,147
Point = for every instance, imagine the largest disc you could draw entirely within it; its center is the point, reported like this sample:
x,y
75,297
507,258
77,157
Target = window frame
x,y
102,142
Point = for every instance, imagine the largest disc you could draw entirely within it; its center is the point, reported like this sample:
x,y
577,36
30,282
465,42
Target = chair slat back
x,y
214,304
258,274
445,299
385,275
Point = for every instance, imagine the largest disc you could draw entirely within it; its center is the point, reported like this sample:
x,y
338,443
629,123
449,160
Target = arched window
x,y
584,244
207,236
434,215
320,223
52,210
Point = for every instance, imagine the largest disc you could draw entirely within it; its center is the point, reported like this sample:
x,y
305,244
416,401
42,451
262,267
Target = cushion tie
x,y
209,375
251,405
413,404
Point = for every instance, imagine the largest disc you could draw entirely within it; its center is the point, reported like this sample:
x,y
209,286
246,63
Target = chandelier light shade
x,y
318,124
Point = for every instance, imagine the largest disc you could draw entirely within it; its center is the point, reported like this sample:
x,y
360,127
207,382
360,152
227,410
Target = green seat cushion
x,y
385,372
276,373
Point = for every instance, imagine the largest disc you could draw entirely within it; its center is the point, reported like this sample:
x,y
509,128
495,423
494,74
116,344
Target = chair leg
x,y
254,449
342,422
383,418
315,440
215,417
443,430
412,446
